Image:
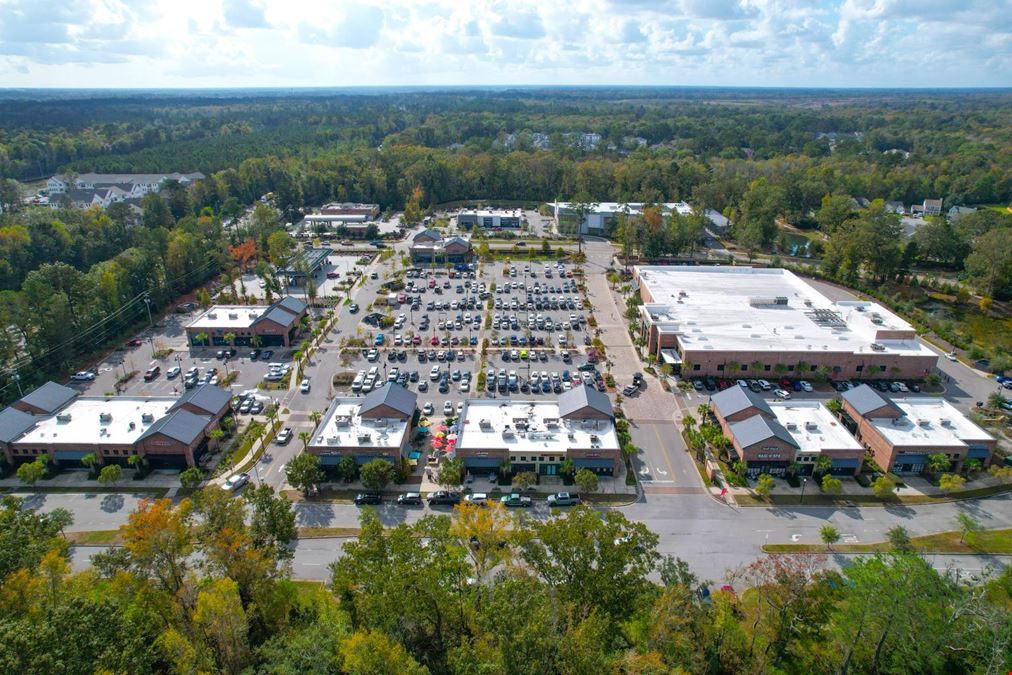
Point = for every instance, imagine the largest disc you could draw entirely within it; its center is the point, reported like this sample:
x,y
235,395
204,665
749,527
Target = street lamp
x,y
804,482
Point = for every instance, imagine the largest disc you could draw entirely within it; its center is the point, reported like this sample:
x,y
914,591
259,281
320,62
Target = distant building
x,y
902,433
600,217
305,264
456,249
490,218
957,212
274,326
167,432
136,184
930,207
717,220
344,212
376,426
895,207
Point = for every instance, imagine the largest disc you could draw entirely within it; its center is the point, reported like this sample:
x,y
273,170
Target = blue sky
x,y
240,43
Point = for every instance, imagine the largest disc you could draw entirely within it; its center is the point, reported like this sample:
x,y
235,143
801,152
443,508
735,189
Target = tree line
x,y
205,586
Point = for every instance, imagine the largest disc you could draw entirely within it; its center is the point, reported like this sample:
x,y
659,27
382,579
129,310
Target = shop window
x,y
720,367
695,366
767,368
860,368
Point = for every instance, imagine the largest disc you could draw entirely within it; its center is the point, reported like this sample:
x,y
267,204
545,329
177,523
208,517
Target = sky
x,y
306,43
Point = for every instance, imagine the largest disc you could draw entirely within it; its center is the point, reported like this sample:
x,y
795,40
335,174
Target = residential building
x,y
902,433
136,184
771,435
274,325
455,249
957,212
602,217
930,207
167,432
538,435
896,207
718,221
376,426
757,322
490,218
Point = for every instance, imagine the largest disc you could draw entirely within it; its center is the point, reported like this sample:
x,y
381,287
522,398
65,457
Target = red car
x,y
134,343
416,340
785,384
333,275
434,341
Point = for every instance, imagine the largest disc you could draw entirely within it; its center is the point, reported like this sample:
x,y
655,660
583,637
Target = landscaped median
x,y
345,496
985,542
842,500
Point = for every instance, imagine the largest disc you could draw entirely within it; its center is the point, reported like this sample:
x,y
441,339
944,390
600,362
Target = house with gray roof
x,y
205,399
738,403
272,326
585,403
390,400
377,426
863,401
46,399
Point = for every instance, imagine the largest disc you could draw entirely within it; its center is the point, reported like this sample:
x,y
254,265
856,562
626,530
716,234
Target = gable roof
x,y
209,397
291,304
582,397
427,233
736,398
456,241
50,397
14,423
277,315
391,395
180,425
864,399
757,428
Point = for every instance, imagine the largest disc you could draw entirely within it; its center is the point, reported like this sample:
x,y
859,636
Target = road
x,y
711,537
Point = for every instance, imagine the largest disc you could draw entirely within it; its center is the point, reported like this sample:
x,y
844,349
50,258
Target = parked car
x,y
353,308
368,498
89,375
173,372
630,389
151,373
236,481
479,498
782,393
410,499
284,436
516,500
136,342
563,499
444,497
304,386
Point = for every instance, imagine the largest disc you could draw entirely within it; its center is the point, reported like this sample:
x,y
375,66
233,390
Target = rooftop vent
x,y
811,426
147,418
791,426
365,438
343,421
508,433
945,423
923,423
233,316
63,417
212,315
105,417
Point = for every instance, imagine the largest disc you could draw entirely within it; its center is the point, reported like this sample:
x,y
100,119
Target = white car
x,y
951,356
805,386
428,409
447,408
304,386
372,355
236,481
781,393
460,407
84,376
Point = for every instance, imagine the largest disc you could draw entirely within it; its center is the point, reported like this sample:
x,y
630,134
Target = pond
x,y
795,244
987,331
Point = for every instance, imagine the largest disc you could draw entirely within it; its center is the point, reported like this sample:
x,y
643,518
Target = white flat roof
x,y
813,427
344,427
86,427
515,213
485,420
734,309
229,316
929,422
632,207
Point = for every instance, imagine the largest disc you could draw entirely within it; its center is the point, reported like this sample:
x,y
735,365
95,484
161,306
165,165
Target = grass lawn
x,y
156,492
95,538
820,499
992,542
324,532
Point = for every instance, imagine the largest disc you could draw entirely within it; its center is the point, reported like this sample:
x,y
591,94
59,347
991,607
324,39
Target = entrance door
x,y
549,469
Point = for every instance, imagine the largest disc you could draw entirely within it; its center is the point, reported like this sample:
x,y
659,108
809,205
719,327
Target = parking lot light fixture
x,y
804,482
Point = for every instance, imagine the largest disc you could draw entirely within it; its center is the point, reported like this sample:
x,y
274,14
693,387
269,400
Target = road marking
x,y
795,537
662,472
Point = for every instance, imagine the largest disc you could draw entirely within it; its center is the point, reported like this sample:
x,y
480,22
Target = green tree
x,y
937,462
280,246
967,525
304,472
829,535
831,485
191,478
89,461
989,264
823,465
221,618
764,485
31,473
884,487
899,538
271,521
375,653
586,480
347,468
451,473
305,437
949,482
110,474
376,474
835,211
524,480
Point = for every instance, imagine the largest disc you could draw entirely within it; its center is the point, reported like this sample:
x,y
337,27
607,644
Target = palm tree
x,y
255,341
703,410
89,462
201,338
315,417
229,338
304,436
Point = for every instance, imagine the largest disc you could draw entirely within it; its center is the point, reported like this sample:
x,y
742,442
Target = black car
x,y
444,497
368,498
254,355
353,308
266,355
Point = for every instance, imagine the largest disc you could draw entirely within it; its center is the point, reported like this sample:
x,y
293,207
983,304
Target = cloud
x,y
723,10
243,14
521,24
359,27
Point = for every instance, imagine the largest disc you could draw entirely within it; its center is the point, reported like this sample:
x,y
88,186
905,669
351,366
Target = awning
x,y
365,459
846,463
481,462
594,463
70,455
978,453
670,356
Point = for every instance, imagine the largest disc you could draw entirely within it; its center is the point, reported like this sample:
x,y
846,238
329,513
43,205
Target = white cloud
x,y
335,42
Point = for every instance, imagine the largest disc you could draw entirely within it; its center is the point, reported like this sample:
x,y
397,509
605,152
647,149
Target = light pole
x,y
17,380
804,482
147,305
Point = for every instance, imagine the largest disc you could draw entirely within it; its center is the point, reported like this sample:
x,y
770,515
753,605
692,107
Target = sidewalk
x,y
913,486
78,479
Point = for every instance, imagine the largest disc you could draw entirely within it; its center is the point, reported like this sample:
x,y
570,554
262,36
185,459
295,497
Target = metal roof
x,y
50,397
180,425
291,304
864,399
582,397
209,397
14,423
735,399
757,428
278,316
391,395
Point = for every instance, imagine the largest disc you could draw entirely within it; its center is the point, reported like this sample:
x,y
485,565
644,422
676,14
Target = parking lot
x,y
434,344
328,279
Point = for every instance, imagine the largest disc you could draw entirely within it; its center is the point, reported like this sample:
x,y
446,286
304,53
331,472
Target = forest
x,y
205,586
766,159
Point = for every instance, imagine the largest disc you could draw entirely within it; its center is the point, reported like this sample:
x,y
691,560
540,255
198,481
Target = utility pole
x,y
17,380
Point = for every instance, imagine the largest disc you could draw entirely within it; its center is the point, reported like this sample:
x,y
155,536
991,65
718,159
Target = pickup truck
x,y
514,500
563,499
